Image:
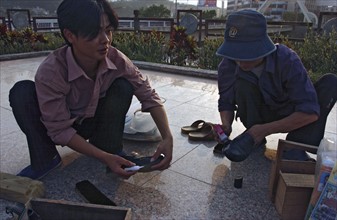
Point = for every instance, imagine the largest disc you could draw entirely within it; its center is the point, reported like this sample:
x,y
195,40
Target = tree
x,y
209,14
155,11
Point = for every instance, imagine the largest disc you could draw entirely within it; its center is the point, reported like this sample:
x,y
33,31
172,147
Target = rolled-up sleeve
x,y
146,95
226,81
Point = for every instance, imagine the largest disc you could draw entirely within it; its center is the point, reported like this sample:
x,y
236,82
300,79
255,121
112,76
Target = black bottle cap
x,y
238,182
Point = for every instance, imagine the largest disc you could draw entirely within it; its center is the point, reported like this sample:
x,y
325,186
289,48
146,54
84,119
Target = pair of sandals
x,y
199,131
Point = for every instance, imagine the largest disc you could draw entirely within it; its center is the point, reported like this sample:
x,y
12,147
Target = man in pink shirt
x,y
82,92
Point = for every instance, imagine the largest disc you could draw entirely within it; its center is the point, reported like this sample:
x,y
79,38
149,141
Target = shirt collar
x,y
270,61
109,64
75,71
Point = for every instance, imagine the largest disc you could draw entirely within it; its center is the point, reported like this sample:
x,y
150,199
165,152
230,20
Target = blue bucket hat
x,y
246,37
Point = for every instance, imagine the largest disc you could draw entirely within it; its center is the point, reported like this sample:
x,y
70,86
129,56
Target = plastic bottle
x,y
221,134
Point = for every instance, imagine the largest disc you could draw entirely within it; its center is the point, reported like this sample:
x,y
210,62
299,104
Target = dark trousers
x,y
104,130
252,110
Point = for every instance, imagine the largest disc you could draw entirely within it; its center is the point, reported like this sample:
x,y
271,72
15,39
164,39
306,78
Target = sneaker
x,y
38,174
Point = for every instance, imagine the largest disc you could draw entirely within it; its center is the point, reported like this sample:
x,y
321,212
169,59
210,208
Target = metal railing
x,y
3,20
208,27
216,27
39,25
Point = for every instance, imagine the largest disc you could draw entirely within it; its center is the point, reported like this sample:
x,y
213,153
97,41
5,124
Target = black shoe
x,y
241,147
144,162
220,148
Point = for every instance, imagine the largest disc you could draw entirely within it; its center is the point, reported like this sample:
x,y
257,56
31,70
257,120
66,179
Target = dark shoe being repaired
x,y
241,147
144,162
220,148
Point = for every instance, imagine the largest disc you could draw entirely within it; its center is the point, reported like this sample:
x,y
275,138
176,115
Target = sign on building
x,y
207,3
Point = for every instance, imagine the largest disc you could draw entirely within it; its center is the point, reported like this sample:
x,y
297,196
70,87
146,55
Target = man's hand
x,y
227,129
165,147
258,132
224,129
115,164
227,118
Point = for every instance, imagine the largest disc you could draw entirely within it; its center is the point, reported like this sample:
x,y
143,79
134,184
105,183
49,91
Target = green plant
x,y
209,14
182,47
148,47
319,53
155,11
207,58
27,40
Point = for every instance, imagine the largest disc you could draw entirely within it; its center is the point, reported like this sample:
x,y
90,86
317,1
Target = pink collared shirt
x,y
66,94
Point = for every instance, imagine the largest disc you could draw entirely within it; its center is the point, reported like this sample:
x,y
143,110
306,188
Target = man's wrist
x,y
102,156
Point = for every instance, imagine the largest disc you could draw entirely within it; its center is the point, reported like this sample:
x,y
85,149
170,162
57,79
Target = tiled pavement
x,y
198,185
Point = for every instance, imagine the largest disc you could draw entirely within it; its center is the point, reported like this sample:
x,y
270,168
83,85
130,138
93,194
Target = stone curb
x,y
179,70
16,56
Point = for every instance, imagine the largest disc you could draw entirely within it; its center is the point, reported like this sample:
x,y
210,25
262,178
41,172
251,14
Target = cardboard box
x,y
293,194
59,209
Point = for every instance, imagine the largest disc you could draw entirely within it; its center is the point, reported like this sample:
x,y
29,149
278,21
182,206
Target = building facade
x,y
278,7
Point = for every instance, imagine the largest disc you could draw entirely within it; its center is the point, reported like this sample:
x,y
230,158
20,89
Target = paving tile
x,y
8,123
174,196
208,100
160,78
178,93
186,114
14,155
203,165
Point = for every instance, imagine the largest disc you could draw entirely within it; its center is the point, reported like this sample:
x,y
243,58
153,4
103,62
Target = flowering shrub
x,y
182,48
27,40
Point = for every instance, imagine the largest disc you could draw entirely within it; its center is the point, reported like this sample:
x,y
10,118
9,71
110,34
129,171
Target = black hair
x,y
83,17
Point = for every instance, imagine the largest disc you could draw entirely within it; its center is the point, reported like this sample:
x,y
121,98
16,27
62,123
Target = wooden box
x,y
59,209
291,182
19,189
293,194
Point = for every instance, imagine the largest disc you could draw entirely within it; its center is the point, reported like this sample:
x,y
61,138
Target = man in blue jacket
x,y
269,88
